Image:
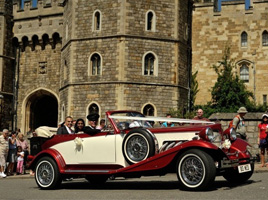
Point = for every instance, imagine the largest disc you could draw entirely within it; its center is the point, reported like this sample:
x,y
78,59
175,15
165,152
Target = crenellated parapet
x,y
40,23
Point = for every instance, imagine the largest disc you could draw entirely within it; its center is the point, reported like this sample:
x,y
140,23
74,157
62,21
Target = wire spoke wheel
x,y
45,173
138,145
192,170
196,170
137,148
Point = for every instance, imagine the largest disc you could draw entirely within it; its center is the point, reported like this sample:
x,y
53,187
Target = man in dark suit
x,y
92,123
66,128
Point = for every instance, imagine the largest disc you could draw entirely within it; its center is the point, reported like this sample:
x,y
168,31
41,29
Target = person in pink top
x,y
262,140
24,145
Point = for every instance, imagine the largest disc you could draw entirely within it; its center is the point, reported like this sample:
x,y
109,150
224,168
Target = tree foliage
x,y
229,92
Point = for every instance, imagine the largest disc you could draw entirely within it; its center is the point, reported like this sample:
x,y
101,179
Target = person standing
x,y
199,116
20,160
239,123
12,153
67,127
3,152
24,145
262,139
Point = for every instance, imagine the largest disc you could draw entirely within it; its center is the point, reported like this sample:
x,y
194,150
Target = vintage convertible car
x,y
130,147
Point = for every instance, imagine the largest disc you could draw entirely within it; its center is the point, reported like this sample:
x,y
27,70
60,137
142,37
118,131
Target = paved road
x,y
145,188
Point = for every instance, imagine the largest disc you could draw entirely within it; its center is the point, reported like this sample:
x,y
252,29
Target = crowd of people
x,y
13,151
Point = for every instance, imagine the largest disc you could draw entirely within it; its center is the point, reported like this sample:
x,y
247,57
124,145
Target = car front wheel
x,y
196,170
233,176
47,175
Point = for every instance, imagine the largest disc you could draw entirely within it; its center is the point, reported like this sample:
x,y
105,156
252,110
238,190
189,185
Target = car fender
x,y
165,158
53,154
198,143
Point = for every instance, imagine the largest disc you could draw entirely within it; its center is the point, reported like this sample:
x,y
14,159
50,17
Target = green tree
x,y
229,92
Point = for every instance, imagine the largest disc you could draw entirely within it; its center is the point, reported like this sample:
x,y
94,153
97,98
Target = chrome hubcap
x,y
192,170
137,148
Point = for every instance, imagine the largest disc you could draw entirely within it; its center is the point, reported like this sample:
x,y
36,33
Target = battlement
x,y
32,8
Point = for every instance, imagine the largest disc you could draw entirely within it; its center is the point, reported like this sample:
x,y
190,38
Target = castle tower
x,y
38,32
6,64
125,55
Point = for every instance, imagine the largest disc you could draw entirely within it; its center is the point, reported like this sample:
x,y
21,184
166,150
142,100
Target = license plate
x,y
244,168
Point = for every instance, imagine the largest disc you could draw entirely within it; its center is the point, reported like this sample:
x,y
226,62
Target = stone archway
x,y
41,110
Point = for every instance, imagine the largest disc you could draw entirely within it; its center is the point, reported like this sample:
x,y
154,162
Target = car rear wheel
x,y
233,176
195,170
138,145
47,174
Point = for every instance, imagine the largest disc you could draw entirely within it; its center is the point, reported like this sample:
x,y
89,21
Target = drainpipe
x,y
15,86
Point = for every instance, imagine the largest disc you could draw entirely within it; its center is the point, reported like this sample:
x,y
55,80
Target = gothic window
x,y
265,38
96,24
244,39
148,110
150,65
244,73
264,99
150,21
95,64
93,108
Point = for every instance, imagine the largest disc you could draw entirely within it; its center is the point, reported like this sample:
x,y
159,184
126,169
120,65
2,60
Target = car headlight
x,y
233,134
210,135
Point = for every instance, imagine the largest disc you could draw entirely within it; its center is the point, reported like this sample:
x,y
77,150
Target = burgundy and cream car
x,y
130,147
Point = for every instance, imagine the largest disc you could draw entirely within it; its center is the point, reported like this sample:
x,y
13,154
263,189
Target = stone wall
x,y
252,120
213,31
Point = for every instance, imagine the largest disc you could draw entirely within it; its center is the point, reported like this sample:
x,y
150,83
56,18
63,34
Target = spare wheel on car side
x,y
138,145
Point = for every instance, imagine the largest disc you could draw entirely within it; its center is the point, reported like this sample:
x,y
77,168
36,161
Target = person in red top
x,y
262,140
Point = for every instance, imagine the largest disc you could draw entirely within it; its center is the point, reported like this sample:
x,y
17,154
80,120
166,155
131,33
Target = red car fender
x,y
239,146
163,159
199,143
51,153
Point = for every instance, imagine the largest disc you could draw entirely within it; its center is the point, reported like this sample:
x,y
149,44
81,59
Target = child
x,y
20,160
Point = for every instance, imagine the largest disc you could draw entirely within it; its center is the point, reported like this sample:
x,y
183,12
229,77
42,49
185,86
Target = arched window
x,y
25,43
150,65
150,21
265,38
56,39
95,64
93,108
96,22
244,73
244,39
45,39
35,41
148,110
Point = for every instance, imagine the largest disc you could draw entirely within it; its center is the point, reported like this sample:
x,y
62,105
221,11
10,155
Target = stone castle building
x,y
78,57
242,25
